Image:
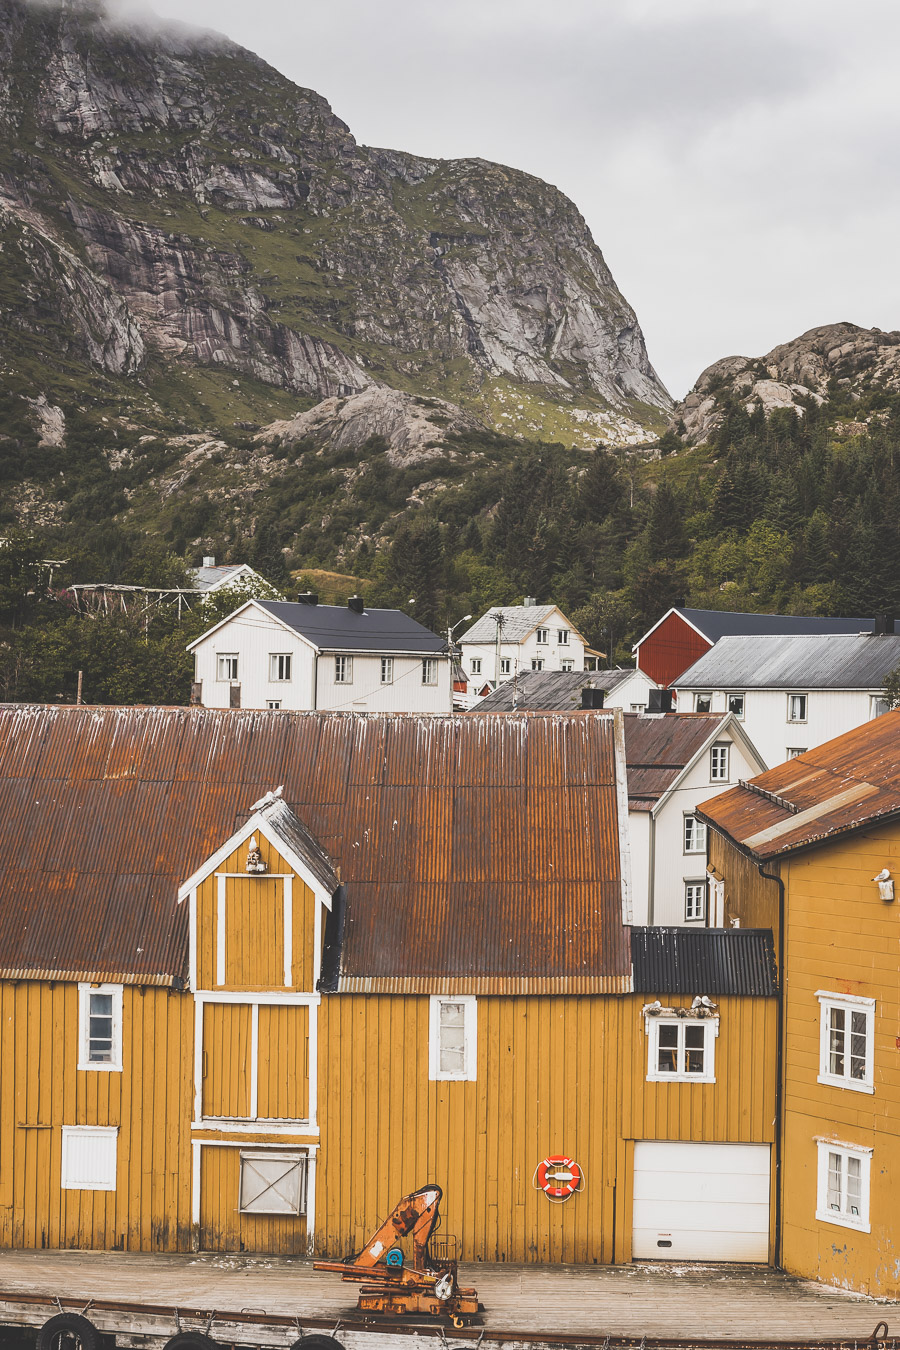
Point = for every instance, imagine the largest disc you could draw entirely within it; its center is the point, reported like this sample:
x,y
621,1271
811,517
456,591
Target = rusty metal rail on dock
x,y
482,1338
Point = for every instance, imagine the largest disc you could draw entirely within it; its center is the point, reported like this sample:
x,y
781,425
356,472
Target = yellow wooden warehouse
x,y
264,972
813,848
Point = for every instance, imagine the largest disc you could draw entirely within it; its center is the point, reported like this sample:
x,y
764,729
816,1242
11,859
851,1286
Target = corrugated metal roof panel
x,y
470,848
845,784
703,961
548,690
717,623
517,622
839,661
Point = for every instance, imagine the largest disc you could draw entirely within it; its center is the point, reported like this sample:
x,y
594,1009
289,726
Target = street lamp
x,y
450,631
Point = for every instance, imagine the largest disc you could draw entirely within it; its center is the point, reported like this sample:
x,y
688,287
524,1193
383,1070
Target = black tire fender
x,y
68,1331
317,1340
192,1340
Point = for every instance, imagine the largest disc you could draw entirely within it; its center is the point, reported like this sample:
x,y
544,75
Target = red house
x,y
682,636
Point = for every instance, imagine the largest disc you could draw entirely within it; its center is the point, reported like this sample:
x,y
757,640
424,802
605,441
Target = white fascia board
x,y
739,734
681,615
381,651
270,618
257,824
622,812
727,723
245,570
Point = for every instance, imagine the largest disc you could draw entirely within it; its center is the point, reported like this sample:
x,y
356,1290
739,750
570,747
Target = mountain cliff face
x,y
837,359
169,201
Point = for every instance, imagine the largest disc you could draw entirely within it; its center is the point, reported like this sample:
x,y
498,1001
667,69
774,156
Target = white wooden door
x,y
701,1202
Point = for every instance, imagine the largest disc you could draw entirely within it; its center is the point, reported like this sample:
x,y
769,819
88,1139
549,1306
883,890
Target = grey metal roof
x,y
518,622
206,577
690,961
835,661
339,628
549,690
715,624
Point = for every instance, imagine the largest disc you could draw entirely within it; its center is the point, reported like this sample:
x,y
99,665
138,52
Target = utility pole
x,y
78,695
499,621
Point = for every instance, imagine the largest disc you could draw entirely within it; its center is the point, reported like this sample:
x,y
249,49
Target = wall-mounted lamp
x,y
885,884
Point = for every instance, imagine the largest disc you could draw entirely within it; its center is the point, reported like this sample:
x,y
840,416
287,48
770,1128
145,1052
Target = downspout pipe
x,y
779,1066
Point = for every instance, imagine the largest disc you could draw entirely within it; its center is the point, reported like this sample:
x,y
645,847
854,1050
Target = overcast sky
x,y
736,160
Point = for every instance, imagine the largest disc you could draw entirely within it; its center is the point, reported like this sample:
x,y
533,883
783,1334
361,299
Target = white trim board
x,y
257,824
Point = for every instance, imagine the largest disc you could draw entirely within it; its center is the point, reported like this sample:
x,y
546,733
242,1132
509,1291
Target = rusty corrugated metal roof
x,y
469,848
845,784
658,747
703,961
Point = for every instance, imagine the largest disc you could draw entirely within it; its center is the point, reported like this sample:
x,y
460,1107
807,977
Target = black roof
x,y
717,623
703,961
341,629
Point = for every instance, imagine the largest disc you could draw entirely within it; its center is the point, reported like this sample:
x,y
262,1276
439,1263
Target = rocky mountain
x,y
185,230
838,360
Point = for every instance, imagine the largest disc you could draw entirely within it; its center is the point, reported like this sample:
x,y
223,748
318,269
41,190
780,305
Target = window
x,y
226,665
681,1049
735,704
562,635
272,1183
567,665
542,634
878,706
796,707
694,835
846,1035
89,1158
279,665
793,751
452,1037
343,670
100,1026
537,663
387,670
694,900
843,1185
718,764
273,704
430,670
505,665
703,703
475,665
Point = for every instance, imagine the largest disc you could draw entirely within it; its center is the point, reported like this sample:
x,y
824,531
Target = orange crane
x,y
428,1284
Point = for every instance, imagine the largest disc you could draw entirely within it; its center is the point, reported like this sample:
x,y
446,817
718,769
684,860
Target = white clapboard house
x,y
511,639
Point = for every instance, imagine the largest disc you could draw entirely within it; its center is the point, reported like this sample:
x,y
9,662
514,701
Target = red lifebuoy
x,y
559,1177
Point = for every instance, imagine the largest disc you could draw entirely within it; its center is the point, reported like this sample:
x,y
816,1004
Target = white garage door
x,y
701,1202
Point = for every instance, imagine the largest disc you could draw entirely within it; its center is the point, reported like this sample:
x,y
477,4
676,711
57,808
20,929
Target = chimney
x,y
356,603
307,598
209,561
530,600
659,700
592,698
884,623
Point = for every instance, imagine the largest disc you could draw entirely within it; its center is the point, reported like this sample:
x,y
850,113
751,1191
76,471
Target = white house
x,y
792,693
282,654
509,639
210,578
674,762
562,691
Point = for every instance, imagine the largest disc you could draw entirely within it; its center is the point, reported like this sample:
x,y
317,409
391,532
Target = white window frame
x,y
429,670
470,1033
698,831
839,1217
293,1156
877,706
695,884
848,1003
273,704
343,670
563,636
505,665
703,696
537,663
736,693
710,1033
280,661
720,763
804,706
567,665
475,665
542,635
221,658
97,1132
387,670
113,1065
794,751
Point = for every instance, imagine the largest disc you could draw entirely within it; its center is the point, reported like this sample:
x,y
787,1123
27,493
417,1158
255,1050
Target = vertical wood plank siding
x,y
753,899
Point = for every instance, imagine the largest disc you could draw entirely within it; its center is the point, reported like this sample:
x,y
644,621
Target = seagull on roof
x,y
702,1001
268,799
654,1007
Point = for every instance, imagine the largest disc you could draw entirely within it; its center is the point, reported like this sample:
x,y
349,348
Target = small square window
x,y
842,1192
846,1041
505,665
542,634
272,1183
387,670
279,666
430,670
563,636
100,1026
537,663
694,835
694,901
475,665
796,707
567,665
681,1049
273,704
735,704
453,1037
226,665
703,703
89,1157
343,670
718,764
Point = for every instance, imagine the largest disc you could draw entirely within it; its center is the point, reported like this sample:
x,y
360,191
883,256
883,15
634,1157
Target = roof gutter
x,y
779,1065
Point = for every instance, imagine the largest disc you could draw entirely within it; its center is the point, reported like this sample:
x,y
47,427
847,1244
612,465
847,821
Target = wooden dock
x,y
683,1302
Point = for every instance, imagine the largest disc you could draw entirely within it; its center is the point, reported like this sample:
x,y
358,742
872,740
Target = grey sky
x,y
736,160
